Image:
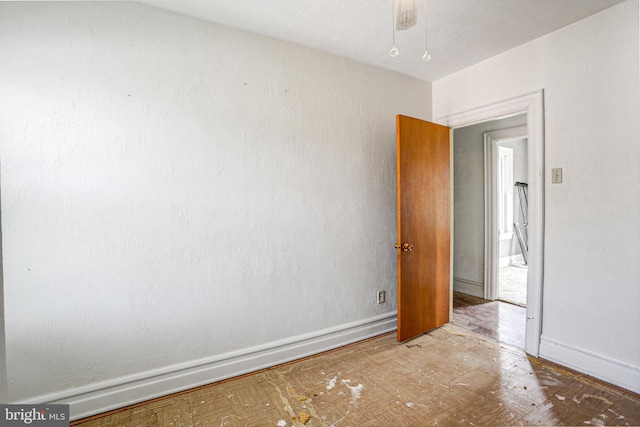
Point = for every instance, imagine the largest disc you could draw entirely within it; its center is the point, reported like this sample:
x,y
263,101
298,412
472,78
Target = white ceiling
x,y
461,32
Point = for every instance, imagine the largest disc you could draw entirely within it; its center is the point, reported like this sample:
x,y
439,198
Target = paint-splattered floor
x,y
451,376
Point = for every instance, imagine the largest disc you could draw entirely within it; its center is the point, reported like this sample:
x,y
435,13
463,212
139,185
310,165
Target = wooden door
x,y
424,226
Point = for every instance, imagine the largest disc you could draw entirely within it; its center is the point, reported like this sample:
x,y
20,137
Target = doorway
x,y
471,258
512,221
506,213
487,158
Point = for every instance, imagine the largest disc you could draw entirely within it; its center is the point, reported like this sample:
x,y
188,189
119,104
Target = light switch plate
x,y
556,176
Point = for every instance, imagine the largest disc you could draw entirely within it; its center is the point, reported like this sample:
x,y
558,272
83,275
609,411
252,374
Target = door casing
x,y
531,104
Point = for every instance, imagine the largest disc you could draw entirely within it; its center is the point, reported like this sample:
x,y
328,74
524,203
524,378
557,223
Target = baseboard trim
x,y
105,396
469,287
599,366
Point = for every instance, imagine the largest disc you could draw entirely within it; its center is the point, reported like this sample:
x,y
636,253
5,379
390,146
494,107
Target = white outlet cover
x,y
556,175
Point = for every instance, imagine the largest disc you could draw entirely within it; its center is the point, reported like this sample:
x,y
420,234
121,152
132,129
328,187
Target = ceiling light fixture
x,y
394,51
427,56
404,16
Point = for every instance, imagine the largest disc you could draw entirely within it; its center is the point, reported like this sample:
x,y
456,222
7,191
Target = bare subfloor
x,y
451,376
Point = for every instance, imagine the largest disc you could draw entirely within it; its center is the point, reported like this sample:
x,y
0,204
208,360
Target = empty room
x,y
294,213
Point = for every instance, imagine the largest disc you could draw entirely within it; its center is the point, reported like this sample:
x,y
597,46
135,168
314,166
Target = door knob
x,y
405,247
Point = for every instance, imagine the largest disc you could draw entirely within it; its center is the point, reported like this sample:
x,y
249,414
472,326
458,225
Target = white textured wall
x,y
3,352
173,190
589,72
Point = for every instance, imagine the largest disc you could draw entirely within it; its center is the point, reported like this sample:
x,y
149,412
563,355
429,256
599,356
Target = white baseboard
x,y
105,396
613,371
469,287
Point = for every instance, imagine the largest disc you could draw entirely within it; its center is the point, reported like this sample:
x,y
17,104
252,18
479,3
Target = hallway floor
x,y
512,284
494,319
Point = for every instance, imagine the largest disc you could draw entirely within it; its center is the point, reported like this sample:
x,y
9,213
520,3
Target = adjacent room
x,y
194,191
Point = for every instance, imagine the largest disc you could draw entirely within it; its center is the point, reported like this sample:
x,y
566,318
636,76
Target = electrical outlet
x,y
381,297
556,176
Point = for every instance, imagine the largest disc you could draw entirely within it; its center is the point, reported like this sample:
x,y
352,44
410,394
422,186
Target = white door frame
x,y
491,238
532,105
